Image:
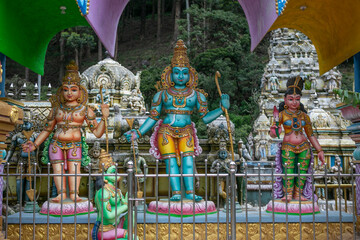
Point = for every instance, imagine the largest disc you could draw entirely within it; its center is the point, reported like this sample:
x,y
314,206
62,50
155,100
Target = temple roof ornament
x,y
120,84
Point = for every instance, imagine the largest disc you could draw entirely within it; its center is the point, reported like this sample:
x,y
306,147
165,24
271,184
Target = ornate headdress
x,y
296,84
180,59
105,159
72,76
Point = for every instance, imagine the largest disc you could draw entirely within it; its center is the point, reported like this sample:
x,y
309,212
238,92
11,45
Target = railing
x,y
237,225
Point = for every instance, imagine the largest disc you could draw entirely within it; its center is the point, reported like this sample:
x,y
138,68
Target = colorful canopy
x,y
26,27
332,25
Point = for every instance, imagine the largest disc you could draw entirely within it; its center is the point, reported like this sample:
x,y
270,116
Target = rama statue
x,y
174,139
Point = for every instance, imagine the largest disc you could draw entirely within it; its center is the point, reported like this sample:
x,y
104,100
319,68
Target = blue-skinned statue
x,y
174,139
21,156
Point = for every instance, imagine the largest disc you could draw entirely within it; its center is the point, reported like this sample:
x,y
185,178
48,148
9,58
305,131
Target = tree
x,y
77,42
177,17
158,32
143,19
224,45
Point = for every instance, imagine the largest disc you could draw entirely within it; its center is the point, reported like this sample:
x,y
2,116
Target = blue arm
x,y
207,116
156,106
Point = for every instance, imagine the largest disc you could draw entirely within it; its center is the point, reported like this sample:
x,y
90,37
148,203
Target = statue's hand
x,y
105,110
273,130
131,135
225,101
28,146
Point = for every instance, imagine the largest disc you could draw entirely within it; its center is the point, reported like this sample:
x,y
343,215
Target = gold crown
x,y
72,76
180,58
105,159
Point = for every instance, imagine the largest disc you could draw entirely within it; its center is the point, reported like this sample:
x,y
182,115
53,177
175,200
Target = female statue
x,y
295,147
174,139
67,145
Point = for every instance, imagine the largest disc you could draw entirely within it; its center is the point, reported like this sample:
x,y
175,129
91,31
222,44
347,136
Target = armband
x,y
203,110
154,114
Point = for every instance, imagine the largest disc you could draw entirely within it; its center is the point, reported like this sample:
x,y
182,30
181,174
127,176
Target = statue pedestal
x,y
293,207
188,208
68,208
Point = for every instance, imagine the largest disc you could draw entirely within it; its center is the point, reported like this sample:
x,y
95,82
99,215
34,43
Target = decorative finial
x,y
105,159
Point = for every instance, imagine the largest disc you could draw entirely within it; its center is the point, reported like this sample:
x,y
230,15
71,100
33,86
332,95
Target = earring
x,y
78,100
188,84
286,106
298,108
172,84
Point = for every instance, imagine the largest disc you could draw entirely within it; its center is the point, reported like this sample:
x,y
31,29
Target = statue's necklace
x,y
68,111
111,189
179,95
296,122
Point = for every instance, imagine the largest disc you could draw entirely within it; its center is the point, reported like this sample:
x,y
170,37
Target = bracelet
x,y
35,145
138,132
319,150
103,119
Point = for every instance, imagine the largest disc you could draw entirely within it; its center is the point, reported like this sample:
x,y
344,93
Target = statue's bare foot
x,y
176,198
72,197
287,198
192,196
59,198
302,198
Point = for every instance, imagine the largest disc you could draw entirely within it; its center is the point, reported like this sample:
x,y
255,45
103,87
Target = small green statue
x,y
111,205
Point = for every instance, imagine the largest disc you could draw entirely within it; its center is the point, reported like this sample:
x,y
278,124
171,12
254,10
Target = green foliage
x,y
348,97
149,77
220,41
76,40
307,84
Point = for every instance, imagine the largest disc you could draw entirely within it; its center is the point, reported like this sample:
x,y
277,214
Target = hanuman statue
x,y
65,143
174,139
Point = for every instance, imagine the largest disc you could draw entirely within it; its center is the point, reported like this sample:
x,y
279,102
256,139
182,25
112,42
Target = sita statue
x,y
295,147
174,139
65,142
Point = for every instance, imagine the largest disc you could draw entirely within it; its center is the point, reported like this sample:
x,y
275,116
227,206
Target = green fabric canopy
x,y
26,28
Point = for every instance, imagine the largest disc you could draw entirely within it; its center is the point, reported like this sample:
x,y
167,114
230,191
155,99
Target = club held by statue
x,y
31,192
130,122
218,75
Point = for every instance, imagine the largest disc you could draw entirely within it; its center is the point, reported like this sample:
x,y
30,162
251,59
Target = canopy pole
x,y
2,81
357,72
